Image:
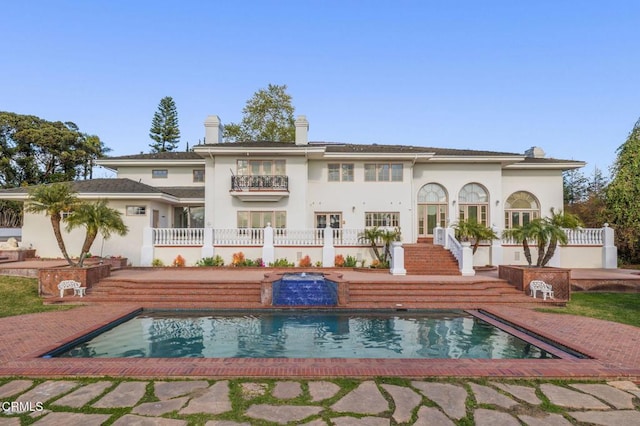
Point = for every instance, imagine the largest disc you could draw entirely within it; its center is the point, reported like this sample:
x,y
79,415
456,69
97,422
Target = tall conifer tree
x,y
164,127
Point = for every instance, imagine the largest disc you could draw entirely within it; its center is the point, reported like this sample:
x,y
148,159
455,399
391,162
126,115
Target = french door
x,y
430,216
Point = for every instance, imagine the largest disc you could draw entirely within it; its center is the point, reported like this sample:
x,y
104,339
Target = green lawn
x,y
19,296
618,307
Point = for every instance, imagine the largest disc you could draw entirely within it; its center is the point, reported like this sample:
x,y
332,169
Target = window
x,y
188,217
341,172
382,219
136,210
520,208
260,219
383,172
473,202
198,175
261,167
159,173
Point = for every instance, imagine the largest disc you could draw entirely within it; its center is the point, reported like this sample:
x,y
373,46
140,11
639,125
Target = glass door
x,y
430,216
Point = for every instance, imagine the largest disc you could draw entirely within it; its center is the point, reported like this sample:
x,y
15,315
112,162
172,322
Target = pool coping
x,y
614,348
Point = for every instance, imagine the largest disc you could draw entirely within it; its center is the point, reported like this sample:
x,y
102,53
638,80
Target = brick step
x,y
443,300
204,288
424,258
180,294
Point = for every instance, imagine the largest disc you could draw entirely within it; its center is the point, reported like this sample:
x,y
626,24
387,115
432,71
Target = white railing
x,y
298,237
315,237
178,236
585,237
454,246
238,237
576,237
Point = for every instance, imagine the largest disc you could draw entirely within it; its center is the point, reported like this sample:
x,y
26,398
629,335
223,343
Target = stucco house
x,y
218,198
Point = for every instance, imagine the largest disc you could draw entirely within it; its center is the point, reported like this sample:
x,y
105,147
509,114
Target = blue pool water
x,y
437,334
304,289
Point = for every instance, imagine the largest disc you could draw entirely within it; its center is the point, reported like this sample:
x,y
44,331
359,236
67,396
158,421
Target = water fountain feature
x,y
304,289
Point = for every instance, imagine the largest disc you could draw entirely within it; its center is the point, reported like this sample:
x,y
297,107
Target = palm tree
x,y
96,218
520,233
388,236
372,235
557,223
471,230
53,200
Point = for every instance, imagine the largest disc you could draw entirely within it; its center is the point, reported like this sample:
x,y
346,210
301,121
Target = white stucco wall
x,y
354,199
38,233
545,185
222,207
176,176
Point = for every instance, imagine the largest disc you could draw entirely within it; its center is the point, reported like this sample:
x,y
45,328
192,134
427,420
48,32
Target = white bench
x,y
71,285
538,285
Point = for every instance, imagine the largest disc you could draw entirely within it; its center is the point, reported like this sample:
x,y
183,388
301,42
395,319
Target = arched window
x,y
432,193
520,208
473,203
432,208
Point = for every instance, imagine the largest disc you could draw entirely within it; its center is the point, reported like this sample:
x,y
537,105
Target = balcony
x,y
259,187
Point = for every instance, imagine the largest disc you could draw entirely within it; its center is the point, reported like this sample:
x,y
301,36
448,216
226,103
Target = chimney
x,y
535,152
302,130
212,130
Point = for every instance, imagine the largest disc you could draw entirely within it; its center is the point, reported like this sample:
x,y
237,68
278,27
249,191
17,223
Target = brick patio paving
x,y
615,349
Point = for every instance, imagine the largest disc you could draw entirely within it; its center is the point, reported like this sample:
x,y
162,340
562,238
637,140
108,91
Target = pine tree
x,y
623,197
164,127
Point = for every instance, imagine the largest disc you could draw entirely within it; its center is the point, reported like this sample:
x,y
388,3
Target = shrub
x,y
157,262
305,262
339,260
351,262
179,261
239,259
259,262
211,261
318,264
282,263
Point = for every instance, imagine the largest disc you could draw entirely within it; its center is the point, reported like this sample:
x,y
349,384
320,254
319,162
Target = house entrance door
x,y
430,216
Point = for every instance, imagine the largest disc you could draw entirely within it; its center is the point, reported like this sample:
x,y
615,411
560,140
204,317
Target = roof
x,y
338,148
113,186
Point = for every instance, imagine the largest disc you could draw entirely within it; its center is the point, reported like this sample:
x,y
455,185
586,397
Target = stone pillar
x,y
449,231
397,259
207,245
268,250
146,251
328,250
467,260
438,236
609,250
497,254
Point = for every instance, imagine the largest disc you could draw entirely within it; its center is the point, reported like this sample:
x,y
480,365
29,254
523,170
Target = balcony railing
x,y
259,183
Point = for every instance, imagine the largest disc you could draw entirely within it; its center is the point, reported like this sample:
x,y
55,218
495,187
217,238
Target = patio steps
x,y
429,259
435,294
363,294
186,294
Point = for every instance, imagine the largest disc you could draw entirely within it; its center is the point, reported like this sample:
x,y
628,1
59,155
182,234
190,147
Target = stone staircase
x,y
428,259
444,292
435,294
178,294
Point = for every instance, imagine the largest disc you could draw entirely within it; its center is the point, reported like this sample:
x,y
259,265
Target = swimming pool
x,y
433,334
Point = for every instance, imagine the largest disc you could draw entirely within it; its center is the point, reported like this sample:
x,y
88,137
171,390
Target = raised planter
x,y
17,255
521,276
49,278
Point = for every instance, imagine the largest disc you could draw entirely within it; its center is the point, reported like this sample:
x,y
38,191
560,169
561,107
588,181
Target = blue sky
x,y
490,75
